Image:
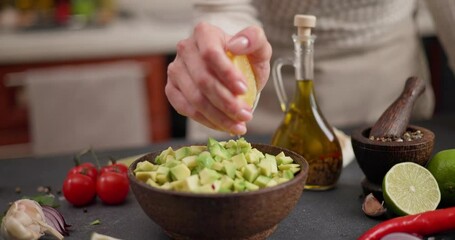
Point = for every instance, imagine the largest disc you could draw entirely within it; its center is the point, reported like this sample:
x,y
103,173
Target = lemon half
x,y
242,63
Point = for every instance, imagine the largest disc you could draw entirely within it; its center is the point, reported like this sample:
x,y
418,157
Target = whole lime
x,y
442,166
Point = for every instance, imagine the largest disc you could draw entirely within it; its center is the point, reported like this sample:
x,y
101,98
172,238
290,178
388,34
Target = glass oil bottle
x,y
304,129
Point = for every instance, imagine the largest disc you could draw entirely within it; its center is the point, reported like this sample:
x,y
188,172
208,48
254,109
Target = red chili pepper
x,y
422,224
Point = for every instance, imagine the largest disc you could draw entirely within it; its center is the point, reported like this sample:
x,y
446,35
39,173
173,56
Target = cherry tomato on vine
x,y
112,187
79,189
88,169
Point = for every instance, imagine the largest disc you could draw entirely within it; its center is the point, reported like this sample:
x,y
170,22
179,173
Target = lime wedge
x,y
409,188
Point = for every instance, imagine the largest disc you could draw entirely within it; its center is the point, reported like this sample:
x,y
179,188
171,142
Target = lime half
x,y
409,188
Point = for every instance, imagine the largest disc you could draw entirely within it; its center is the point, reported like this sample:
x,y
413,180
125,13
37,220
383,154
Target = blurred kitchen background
x,y
91,73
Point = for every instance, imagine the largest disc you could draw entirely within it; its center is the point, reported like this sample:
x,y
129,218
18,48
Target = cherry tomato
x,y
79,189
88,169
112,187
116,167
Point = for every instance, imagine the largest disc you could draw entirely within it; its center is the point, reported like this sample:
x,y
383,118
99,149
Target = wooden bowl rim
x,y
304,167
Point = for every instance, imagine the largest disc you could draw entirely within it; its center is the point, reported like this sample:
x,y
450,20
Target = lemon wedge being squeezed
x,y
242,63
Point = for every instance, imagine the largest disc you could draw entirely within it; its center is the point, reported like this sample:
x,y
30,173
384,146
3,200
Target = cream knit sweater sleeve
x,y
443,12
230,15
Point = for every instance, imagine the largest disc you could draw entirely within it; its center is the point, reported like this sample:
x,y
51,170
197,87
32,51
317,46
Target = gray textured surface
x,y
334,214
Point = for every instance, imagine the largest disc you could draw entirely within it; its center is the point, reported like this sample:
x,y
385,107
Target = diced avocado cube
x,y
218,166
244,145
169,159
281,180
144,176
287,166
180,172
239,174
288,174
191,183
195,150
230,144
229,169
217,151
163,170
170,163
271,183
254,156
190,161
239,160
294,170
152,183
272,161
208,176
225,190
161,178
177,185
204,160
166,186
283,159
262,181
182,152
162,157
226,182
210,187
268,165
250,173
239,185
145,166
251,186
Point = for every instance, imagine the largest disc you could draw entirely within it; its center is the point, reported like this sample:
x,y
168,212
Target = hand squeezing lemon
x,y
242,63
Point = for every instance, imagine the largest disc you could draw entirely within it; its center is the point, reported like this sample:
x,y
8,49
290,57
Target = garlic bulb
x,y
25,221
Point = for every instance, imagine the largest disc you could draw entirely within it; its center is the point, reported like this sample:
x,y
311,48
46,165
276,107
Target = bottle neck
x,y
304,53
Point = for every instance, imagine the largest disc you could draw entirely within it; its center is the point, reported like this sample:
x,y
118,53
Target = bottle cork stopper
x,y
304,24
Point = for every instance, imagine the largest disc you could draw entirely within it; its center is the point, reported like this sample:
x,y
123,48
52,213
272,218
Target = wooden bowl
x,y
375,158
245,215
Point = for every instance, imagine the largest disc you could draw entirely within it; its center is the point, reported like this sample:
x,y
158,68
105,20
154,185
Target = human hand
x,y
203,84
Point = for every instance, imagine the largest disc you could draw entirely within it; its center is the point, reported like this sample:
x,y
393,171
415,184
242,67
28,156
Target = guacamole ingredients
x,y
423,224
218,167
25,220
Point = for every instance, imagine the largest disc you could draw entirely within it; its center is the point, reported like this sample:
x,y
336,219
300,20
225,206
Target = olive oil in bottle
x,y
304,129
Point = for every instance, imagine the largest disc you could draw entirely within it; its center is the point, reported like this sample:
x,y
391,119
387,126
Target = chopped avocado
x,y
226,182
239,185
229,168
282,159
251,186
152,183
208,176
204,160
219,167
145,166
239,160
182,152
190,161
195,150
144,176
250,173
262,181
180,172
217,151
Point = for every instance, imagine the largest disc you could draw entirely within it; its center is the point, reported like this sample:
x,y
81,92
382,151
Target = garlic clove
x,y
372,207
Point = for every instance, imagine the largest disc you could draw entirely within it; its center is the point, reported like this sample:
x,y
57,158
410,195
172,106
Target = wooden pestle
x,y
394,121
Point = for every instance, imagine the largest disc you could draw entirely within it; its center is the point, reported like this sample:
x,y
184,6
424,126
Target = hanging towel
x,y
102,106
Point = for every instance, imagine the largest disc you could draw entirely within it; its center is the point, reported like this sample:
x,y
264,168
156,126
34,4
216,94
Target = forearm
x,y
443,13
230,15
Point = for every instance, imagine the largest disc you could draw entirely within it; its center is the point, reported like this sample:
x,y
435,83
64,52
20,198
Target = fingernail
x,y
238,43
241,86
244,115
238,129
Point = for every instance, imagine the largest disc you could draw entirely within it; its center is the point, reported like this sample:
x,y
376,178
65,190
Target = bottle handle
x,y
278,80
